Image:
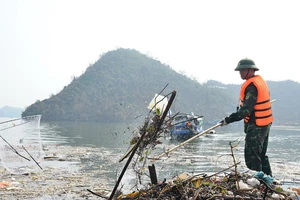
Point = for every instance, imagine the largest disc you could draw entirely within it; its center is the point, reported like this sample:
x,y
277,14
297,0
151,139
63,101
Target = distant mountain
x,y
7,111
119,86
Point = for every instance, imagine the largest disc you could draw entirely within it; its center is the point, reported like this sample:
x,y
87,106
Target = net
x,y
20,144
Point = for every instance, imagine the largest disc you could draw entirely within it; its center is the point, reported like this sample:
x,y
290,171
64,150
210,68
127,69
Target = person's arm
x,y
247,108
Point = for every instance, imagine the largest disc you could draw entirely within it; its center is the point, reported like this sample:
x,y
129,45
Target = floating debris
x,y
228,186
63,177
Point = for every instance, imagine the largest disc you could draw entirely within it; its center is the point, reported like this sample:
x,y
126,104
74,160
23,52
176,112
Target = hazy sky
x,y
43,43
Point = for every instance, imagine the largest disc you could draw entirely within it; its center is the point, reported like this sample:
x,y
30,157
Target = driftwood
x,y
206,187
202,186
153,175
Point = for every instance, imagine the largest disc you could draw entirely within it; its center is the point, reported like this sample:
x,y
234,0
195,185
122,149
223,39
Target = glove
x,y
223,122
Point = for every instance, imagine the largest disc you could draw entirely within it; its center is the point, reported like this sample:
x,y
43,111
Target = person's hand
x,y
223,122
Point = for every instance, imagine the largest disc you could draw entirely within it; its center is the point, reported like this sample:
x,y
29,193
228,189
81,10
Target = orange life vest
x,y
262,109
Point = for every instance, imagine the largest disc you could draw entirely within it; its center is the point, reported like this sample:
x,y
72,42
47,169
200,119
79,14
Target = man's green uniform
x,y
257,137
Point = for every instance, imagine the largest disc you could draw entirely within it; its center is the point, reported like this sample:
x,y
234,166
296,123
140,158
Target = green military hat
x,y
246,64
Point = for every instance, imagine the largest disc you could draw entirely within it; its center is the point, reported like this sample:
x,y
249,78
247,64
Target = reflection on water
x,y
206,154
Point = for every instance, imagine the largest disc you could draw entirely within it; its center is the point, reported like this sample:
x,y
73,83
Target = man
x,y
255,109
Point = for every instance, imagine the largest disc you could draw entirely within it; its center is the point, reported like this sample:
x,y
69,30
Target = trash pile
x,y
230,186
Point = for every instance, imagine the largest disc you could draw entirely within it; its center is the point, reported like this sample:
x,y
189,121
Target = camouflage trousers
x,y
256,144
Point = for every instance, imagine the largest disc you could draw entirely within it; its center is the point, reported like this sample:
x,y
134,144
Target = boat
x,y
184,126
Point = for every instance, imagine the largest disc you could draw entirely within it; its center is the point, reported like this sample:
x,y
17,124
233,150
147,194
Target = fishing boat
x,y
184,126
